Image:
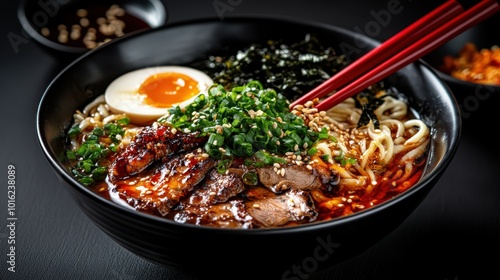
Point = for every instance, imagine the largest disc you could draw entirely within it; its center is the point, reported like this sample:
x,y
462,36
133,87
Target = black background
x,y
453,234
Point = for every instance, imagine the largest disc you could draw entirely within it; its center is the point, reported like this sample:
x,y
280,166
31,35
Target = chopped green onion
x,y
74,130
87,160
243,121
250,178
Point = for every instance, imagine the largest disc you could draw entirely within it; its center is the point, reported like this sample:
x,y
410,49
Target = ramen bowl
x,y
476,100
209,252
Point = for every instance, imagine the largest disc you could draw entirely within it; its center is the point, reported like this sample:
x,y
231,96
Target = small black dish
x,y
43,21
476,100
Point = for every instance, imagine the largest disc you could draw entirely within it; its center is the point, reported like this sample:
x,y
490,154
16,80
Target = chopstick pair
x,y
424,35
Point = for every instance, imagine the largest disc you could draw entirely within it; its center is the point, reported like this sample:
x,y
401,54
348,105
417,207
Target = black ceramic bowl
x,y
35,15
227,253
476,101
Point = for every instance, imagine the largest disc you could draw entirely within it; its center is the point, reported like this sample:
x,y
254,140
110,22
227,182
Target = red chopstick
x,y
467,19
437,17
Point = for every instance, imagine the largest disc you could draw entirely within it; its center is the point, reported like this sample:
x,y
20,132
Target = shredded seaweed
x,y
291,69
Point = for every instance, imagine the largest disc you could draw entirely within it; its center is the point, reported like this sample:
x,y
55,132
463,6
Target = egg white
x,y
122,93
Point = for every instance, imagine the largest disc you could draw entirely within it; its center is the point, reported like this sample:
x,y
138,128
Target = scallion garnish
x,y
248,120
88,160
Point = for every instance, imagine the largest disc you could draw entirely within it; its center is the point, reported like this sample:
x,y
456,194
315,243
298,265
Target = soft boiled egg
x,y
147,94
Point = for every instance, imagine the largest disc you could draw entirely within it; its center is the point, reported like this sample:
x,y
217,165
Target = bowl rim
x,y
452,80
321,225
33,33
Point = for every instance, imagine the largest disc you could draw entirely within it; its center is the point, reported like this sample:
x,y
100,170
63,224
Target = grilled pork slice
x,y
207,206
230,214
271,210
150,144
263,209
216,188
162,188
293,176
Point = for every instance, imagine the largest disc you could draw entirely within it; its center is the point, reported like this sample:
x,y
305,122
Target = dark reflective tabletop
x,y
453,234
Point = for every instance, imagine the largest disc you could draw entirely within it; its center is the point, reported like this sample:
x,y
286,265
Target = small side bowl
x,y
476,100
34,15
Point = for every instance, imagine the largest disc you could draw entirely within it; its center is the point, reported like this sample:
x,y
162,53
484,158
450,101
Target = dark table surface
x,y
453,234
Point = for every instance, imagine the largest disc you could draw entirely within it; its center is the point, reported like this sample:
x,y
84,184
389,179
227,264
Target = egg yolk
x,y
167,89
